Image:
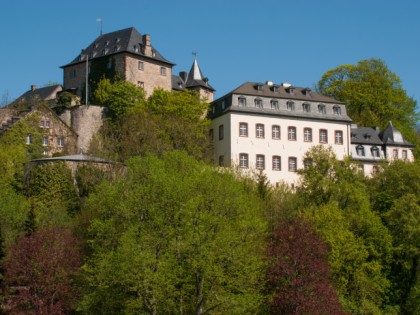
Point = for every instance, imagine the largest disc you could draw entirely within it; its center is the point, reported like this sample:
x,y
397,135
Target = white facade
x,y
264,132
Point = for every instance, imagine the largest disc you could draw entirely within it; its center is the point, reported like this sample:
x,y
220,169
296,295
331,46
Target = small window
x,y
360,150
290,106
42,123
162,71
276,163
259,130
243,160
404,154
275,132
109,64
274,104
375,151
321,109
140,84
258,103
395,153
292,164
221,160
242,101
307,163
260,164
243,129
141,65
223,105
323,136
306,107
307,134
60,142
47,123
211,134
221,132
45,140
291,133
338,137
45,152
103,52
259,87
337,110
28,139
275,89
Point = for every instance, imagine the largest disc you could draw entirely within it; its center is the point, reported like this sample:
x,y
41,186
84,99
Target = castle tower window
x,y
258,103
306,107
141,65
290,105
274,104
337,110
242,101
162,71
321,109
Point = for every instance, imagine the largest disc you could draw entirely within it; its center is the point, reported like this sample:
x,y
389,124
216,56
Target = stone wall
x,y
85,120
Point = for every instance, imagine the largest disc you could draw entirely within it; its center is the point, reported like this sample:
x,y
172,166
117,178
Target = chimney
x,y
147,48
33,87
184,76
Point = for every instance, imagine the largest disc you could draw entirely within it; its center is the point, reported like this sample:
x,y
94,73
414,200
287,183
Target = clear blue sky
x,y
236,40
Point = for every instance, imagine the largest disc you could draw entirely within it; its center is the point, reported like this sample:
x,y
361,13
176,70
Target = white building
x,y
370,147
269,127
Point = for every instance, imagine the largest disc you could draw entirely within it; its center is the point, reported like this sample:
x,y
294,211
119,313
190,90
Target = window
x,y
276,163
375,151
28,139
338,137
290,105
221,160
337,110
395,153
321,109
163,71
109,64
275,132
140,84
243,129
306,107
141,65
307,163
45,152
60,142
45,140
275,89
259,130
242,101
307,134
258,103
223,105
103,52
221,132
243,160
323,136
274,104
47,124
259,87
211,134
291,133
42,123
404,154
360,150
292,164
260,165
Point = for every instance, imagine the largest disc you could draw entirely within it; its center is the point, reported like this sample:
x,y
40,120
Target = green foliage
x,y
53,193
373,94
120,96
173,237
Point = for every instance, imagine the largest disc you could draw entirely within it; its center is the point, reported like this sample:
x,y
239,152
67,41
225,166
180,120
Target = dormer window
x,y
223,105
306,107
259,87
103,52
136,48
107,43
353,136
321,109
275,104
275,89
258,103
242,101
290,105
307,92
337,110
367,136
91,55
290,90
96,46
117,40
360,150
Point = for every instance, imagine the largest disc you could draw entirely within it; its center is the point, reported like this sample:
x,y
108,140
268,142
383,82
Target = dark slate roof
x,y
365,135
285,92
391,136
41,93
196,78
177,83
128,40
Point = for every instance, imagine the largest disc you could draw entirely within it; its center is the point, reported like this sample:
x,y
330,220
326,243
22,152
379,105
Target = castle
x,y
262,126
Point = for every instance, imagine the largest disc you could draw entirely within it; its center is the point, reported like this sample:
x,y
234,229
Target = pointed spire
x,y
195,72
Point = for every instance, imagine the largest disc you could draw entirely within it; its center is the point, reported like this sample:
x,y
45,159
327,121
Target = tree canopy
x,y
374,95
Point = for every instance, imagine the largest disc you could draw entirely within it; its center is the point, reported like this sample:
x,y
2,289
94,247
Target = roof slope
x,y
365,135
44,93
196,78
392,136
128,40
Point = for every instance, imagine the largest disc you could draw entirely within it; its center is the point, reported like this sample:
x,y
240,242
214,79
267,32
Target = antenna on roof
x,y
195,54
99,20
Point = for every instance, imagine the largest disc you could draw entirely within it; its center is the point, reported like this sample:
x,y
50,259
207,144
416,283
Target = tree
x,y
173,237
298,274
39,272
373,94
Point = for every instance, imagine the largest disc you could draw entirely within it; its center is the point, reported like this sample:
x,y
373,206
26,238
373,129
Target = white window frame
x,y
243,129
338,136
276,163
260,162
323,136
292,164
258,103
243,160
291,133
275,132
259,131
307,134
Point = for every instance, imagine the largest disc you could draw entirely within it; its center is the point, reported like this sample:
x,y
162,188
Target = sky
x,y
236,41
